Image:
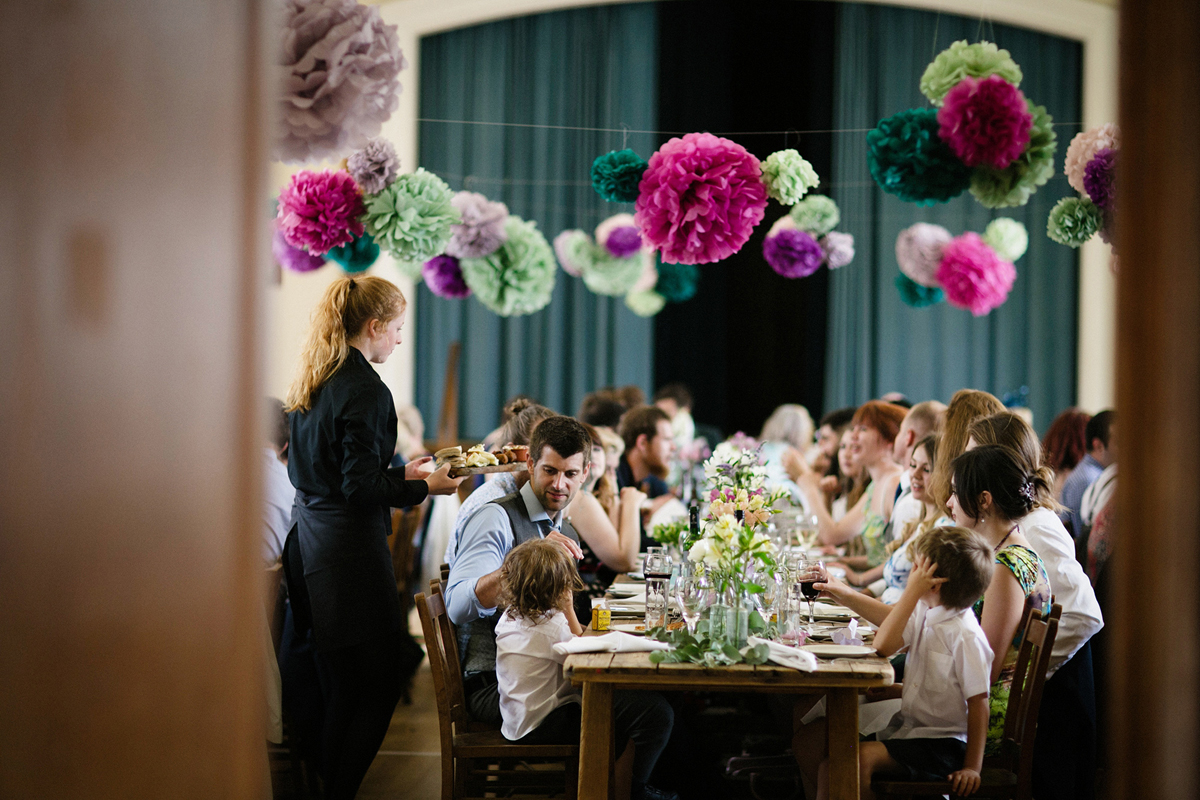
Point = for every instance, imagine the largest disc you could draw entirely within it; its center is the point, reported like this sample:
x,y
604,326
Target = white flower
x,y
726,529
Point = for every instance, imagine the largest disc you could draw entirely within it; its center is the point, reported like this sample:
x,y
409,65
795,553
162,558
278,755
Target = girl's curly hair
x,y
534,577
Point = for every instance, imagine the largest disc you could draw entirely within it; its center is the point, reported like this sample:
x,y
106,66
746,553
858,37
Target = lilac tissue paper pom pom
x,y
973,276
838,248
443,275
700,198
339,66
375,166
293,258
919,252
1098,177
985,121
624,241
320,210
793,253
481,231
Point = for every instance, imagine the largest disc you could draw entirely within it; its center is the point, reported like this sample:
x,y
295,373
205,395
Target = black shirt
x,y
341,447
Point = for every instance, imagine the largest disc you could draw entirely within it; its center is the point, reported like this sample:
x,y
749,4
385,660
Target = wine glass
x,y
691,592
810,572
657,570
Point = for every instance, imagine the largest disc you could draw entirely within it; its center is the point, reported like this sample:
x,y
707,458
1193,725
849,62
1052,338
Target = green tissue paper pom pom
x,y
360,254
645,304
1007,237
677,282
1016,183
961,60
1073,221
519,277
816,214
604,273
616,175
411,218
411,269
908,158
915,295
788,177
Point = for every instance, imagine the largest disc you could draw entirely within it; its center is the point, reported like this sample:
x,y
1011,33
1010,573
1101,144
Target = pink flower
x,y
985,121
973,276
699,199
713,495
320,210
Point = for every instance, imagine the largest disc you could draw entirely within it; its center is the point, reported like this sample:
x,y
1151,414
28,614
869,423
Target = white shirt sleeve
x,y
973,660
1081,615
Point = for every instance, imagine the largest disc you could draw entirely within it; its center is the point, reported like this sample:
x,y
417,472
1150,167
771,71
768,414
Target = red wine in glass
x,y
809,589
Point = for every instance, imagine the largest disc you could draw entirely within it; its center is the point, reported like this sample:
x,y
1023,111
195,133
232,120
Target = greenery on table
x,y
670,532
700,649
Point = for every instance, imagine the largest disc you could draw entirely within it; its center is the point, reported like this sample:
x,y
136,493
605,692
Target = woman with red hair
x,y
1065,445
872,432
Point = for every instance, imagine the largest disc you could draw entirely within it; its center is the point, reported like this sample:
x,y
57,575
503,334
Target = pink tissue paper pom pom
x,y
443,275
1083,149
919,252
293,258
649,274
838,248
320,210
973,276
700,199
985,121
793,253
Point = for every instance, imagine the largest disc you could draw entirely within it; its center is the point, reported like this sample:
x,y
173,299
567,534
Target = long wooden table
x,y
840,681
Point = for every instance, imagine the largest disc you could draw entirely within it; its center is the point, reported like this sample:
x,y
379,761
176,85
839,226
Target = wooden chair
x,y
405,523
474,761
444,573
1008,774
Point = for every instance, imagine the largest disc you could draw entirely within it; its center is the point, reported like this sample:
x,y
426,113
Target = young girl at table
x,y
941,729
538,704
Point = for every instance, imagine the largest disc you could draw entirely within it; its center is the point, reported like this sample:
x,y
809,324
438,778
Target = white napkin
x,y
615,642
848,634
785,656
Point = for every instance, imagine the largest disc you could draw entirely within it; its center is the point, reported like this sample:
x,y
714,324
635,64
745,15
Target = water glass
x,y
691,592
658,572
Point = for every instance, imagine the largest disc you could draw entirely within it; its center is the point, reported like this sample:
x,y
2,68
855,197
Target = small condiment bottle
x,y
601,616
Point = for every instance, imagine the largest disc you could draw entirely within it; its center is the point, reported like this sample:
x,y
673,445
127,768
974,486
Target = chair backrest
x,y
447,628
1025,697
444,665
444,572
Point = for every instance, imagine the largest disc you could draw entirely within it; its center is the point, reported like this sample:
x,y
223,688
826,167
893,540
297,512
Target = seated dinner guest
x,y
1064,446
941,728
538,704
787,434
1101,452
560,450
921,420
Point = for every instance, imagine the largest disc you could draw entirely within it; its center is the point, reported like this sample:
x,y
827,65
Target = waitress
x,y
340,578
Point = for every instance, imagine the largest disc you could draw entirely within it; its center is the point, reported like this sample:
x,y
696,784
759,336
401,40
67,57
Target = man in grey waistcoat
x,y
535,511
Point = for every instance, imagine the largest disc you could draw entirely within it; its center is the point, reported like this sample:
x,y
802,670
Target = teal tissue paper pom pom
x,y
1016,183
519,277
788,176
816,215
411,217
645,304
915,295
616,175
1007,237
360,254
677,282
907,158
1073,221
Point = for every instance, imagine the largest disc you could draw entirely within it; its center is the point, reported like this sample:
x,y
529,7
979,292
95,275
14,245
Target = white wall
x,y
1092,23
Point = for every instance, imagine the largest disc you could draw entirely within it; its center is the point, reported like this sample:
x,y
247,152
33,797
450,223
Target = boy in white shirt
x,y
538,705
941,729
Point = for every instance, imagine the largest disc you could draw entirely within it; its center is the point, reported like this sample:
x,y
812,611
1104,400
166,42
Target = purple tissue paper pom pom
x,y
293,258
1098,177
444,277
624,241
793,253
375,166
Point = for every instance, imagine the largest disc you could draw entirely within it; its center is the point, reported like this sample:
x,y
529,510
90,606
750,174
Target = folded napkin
x,y
785,656
615,642
848,634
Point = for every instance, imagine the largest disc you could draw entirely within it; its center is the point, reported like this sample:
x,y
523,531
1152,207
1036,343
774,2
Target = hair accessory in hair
x,y
1028,492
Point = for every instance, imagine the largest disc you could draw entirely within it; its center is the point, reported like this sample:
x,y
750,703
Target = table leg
x,y
595,741
841,716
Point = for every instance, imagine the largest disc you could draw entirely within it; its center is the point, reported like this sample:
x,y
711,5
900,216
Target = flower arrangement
x,y
726,546
983,134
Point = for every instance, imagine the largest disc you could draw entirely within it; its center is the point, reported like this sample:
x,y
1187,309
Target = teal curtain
x,y
584,68
876,343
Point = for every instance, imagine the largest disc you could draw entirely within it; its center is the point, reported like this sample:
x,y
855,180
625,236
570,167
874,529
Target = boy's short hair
x,y
533,578
963,558
564,435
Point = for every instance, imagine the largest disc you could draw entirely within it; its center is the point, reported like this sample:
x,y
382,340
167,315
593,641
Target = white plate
x,y
638,628
826,611
839,650
626,589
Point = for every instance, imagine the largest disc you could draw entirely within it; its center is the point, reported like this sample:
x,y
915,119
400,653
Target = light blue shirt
x,y
485,541
1084,475
504,483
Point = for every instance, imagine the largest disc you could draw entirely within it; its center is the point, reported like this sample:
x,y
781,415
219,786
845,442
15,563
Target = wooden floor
x,y
408,766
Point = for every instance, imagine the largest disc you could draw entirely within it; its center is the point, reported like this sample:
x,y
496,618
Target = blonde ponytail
x,y
345,308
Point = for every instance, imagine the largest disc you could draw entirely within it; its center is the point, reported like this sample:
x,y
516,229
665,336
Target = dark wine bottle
x,y
740,516
694,522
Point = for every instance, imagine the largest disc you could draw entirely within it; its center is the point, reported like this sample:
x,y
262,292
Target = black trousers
x,y
360,686
1064,753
